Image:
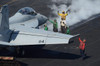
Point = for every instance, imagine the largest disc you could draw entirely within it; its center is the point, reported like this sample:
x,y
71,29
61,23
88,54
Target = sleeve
x,y
80,40
51,21
59,14
66,14
56,25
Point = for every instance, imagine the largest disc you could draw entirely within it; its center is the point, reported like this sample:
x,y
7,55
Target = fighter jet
x,y
27,17
15,35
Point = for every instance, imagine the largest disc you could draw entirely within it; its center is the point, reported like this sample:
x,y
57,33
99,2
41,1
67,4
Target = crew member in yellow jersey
x,y
63,15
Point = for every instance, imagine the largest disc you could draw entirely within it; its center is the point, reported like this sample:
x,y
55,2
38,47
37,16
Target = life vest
x,y
46,28
63,15
82,44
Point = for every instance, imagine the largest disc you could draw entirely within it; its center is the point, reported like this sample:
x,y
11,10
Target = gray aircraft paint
x,y
4,24
21,17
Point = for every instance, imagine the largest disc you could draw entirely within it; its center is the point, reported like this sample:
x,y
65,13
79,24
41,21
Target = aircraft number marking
x,y
41,41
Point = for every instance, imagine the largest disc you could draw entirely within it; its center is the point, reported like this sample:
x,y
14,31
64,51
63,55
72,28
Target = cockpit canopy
x,y
27,11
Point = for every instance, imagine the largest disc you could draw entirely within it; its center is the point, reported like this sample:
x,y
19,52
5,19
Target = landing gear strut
x,y
20,51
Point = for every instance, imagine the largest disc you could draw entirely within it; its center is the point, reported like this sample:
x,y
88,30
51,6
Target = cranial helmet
x,y
63,11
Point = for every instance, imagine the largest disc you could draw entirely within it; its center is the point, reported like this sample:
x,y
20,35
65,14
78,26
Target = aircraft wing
x,y
38,37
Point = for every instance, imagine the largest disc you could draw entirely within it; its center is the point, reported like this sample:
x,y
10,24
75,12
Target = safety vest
x,y
63,15
82,44
46,28
55,24
68,31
